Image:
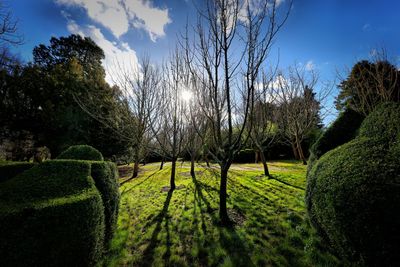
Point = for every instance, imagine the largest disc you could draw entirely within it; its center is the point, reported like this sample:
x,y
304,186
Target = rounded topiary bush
x,y
105,175
383,123
342,130
51,215
353,193
81,152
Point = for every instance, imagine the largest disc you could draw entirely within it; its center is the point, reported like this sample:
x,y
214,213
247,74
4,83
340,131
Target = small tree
x,y
299,106
168,122
262,127
233,40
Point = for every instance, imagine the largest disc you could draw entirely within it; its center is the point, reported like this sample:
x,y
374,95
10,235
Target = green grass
x,y
157,228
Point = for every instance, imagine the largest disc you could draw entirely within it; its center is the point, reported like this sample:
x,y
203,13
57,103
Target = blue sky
x,y
328,36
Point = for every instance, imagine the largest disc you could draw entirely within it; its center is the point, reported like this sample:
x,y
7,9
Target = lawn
x,y
160,228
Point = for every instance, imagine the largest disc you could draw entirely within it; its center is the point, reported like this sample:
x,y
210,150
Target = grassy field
x,y
160,228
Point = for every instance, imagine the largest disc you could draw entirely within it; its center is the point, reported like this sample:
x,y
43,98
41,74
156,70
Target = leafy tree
x,y
42,97
369,84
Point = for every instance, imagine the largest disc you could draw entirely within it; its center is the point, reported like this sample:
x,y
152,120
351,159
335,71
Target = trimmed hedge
x,y
51,215
383,123
342,130
353,192
105,175
81,152
10,169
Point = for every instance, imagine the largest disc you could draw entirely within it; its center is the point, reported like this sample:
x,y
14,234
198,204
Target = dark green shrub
x,y
342,130
105,175
81,152
383,123
51,215
353,193
245,156
9,169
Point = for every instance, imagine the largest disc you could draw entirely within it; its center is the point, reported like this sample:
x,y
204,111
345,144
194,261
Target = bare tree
x,y
8,36
262,127
139,89
233,39
8,27
136,87
299,105
197,126
168,122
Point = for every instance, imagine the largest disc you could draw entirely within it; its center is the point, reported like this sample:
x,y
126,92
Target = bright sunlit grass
x,y
158,228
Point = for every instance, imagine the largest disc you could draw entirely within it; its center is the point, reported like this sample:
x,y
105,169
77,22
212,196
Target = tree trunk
x,y
295,152
162,164
301,154
256,157
172,181
264,162
192,160
223,212
135,169
136,165
207,162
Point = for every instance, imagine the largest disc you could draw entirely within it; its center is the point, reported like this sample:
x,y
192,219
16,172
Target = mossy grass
x,y
181,228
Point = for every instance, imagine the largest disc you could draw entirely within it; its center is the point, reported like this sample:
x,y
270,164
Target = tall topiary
x,y
81,152
105,175
342,130
355,195
51,215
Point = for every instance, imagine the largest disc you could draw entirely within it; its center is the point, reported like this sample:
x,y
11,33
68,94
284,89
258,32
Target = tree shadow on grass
x,y
148,253
229,239
136,185
286,183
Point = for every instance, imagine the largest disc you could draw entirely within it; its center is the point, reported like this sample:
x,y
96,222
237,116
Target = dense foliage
x,y
10,169
81,152
51,215
368,85
354,195
105,176
44,97
383,123
342,130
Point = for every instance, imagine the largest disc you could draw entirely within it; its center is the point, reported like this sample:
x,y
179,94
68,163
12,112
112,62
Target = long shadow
x,y
198,189
136,185
286,183
228,236
148,253
272,177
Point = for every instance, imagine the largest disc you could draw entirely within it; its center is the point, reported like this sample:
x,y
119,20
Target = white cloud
x,y
143,15
115,54
119,15
310,65
254,6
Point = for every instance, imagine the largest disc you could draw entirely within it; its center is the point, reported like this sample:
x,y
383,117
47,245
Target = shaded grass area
x,y
180,228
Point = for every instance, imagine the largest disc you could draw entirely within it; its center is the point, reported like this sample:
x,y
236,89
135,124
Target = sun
x,y
186,95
